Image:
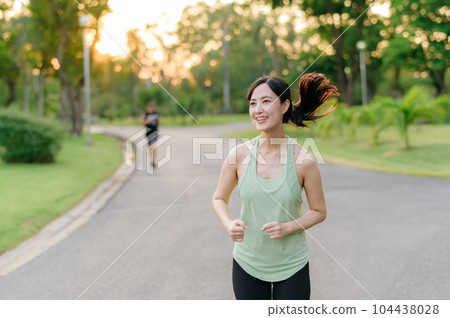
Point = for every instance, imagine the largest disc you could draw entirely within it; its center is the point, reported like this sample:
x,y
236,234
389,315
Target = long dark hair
x,y
314,89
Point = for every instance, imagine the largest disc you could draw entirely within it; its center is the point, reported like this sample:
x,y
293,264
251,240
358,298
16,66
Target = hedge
x,y
27,139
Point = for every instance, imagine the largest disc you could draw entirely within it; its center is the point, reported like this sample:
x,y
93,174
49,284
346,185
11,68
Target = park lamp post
x,y
361,45
84,23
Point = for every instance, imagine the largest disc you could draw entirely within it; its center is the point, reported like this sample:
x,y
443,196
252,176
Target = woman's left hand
x,y
275,230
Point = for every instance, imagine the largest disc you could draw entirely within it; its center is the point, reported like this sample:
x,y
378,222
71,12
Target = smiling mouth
x,y
261,119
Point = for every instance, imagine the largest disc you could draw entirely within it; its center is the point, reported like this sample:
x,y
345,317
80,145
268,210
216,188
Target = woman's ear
x,y
285,106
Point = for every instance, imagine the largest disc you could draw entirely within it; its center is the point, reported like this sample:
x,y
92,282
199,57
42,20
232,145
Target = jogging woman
x,y
151,121
270,256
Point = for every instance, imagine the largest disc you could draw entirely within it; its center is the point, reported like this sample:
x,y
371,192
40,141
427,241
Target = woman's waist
x,y
262,249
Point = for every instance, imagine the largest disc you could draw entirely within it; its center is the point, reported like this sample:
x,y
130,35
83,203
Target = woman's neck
x,y
271,140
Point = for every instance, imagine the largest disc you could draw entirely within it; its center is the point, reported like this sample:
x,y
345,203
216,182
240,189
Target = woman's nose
x,y
259,108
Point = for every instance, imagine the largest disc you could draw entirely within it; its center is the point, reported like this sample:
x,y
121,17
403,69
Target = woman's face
x,y
265,108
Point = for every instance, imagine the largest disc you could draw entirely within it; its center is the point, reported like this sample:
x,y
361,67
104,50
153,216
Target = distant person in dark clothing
x,y
151,120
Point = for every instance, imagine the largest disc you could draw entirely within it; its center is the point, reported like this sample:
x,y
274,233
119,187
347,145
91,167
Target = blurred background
x,y
389,60
206,54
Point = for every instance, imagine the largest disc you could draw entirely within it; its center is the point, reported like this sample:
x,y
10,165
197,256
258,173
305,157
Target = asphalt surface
x,y
386,236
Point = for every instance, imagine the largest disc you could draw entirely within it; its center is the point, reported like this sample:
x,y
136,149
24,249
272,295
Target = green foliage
x,y
405,49
196,105
430,157
345,119
258,44
56,37
383,112
409,110
27,139
378,116
33,195
192,106
420,38
340,25
153,94
441,105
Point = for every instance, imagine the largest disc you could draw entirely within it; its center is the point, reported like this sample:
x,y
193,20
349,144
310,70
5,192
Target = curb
x,y
65,225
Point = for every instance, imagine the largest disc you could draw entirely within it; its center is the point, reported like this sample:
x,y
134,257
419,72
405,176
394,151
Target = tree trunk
x,y
438,77
77,112
275,55
350,86
405,131
41,96
11,83
226,74
65,107
26,89
71,95
70,92
343,82
396,89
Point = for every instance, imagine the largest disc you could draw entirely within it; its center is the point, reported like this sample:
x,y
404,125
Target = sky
x,y
136,14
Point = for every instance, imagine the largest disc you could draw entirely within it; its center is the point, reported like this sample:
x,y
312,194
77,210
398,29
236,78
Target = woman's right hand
x,y
236,230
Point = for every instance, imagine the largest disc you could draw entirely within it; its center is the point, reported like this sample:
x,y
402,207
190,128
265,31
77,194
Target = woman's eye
x,y
252,104
266,101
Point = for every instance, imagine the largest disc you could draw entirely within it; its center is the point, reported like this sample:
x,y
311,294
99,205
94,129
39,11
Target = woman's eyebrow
x,y
262,97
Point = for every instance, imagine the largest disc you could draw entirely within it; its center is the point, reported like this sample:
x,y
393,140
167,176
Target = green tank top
x,y
261,257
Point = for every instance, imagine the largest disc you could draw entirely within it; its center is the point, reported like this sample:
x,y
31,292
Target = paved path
x,y
386,235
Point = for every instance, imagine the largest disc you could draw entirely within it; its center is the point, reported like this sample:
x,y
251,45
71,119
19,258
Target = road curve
x,y
386,236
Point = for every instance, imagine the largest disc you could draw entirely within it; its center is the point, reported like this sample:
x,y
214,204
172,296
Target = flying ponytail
x,y
314,89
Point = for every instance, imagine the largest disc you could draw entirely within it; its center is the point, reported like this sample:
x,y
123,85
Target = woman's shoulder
x,y
302,157
240,152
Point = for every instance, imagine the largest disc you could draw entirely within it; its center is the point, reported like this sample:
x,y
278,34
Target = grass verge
x,y
428,157
32,195
169,121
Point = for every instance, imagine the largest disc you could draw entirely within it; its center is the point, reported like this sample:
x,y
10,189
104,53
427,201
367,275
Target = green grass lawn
x,y
32,195
169,121
429,156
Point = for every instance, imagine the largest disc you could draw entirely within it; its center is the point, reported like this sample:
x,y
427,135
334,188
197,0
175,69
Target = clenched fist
x,y
275,230
236,230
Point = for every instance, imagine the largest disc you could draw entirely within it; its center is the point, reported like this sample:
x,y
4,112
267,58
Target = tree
x,y
423,28
137,52
251,42
58,36
9,70
378,115
409,110
343,24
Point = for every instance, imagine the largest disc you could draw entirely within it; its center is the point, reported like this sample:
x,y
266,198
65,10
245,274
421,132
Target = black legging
x,y
247,287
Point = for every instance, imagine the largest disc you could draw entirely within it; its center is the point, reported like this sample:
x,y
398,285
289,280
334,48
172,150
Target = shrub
x,y
411,109
345,119
378,115
331,121
27,139
441,106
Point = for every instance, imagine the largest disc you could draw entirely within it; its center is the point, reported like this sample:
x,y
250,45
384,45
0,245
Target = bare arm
x,y
316,200
227,182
